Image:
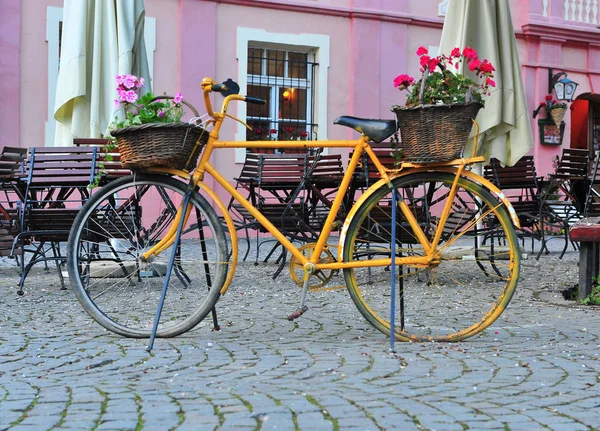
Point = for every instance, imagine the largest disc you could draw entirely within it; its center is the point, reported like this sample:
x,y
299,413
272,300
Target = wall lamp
x,y
564,88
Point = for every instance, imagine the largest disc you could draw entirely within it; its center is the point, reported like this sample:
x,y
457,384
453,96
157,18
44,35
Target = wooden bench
x,y
11,168
54,187
587,233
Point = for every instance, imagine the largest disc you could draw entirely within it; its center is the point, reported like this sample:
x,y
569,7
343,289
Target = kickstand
x,y
303,308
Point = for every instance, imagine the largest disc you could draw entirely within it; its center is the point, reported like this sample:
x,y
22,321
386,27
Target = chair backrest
x,y
11,162
572,165
281,171
592,201
520,178
109,163
327,172
571,175
61,166
251,169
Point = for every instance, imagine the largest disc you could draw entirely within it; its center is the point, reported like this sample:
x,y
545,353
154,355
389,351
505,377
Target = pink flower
x,y
122,94
433,63
178,98
424,60
131,96
422,51
129,82
490,82
474,64
161,114
486,67
116,103
403,81
141,82
549,97
469,53
455,53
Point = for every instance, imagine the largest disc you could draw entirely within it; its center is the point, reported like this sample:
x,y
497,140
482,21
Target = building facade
x,y
313,60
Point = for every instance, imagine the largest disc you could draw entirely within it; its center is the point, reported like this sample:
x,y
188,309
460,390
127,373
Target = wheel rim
x,y
448,300
118,287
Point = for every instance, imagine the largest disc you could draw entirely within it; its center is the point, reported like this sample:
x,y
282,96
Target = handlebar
x,y
230,89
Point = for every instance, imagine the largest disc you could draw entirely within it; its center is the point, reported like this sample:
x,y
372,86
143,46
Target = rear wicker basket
x,y
168,145
435,133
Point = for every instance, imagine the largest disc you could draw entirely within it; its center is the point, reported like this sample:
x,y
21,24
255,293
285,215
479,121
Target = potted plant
x,y
148,130
441,105
555,109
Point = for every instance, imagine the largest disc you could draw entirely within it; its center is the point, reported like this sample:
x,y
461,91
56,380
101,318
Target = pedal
x,y
299,312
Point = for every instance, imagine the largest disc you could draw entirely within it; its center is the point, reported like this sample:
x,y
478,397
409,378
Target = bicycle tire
x,y
118,288
450,299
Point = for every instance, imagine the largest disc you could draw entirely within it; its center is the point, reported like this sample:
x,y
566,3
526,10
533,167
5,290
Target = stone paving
x,y
536,368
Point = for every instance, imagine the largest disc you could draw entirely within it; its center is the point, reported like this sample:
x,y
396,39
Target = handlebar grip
x,y
255,100
217,88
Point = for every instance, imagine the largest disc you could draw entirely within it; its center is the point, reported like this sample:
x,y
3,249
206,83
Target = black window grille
x,y
285,79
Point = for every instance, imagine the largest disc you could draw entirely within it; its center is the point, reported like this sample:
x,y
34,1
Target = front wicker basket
x,y
435,133
168,145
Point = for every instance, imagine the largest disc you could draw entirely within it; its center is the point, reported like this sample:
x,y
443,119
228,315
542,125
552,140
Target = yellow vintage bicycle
x,y
428,253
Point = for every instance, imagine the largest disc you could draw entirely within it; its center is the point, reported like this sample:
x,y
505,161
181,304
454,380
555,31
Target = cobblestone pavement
x,y
537,367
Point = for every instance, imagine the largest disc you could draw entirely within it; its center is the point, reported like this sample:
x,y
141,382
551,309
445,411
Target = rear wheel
x,y
460,292
117,286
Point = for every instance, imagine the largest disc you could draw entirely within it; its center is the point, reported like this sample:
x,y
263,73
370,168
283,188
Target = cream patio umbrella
x,y
100,39
486,26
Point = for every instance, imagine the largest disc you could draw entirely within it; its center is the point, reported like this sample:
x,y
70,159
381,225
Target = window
x,y
316,49
284,79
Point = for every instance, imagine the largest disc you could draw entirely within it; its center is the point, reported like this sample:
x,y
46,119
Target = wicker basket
x,y
557,115
435,133
169,145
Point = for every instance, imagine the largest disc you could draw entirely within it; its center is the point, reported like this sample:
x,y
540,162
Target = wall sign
x,y
550,133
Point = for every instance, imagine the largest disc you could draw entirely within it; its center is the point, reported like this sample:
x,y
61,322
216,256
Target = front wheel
x,y
117,286
463,289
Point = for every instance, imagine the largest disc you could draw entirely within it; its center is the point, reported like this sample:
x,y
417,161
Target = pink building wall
x,y
371,41
10,47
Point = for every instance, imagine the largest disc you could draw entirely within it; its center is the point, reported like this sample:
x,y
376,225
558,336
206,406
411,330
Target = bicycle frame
x,y
360,146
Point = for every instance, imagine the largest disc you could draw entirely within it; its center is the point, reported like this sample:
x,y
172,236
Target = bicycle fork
x,y
173,237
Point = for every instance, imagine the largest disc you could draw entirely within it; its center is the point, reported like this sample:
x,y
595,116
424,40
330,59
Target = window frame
x,y
319,44
278,83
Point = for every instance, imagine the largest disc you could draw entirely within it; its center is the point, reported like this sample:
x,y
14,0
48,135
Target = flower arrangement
x,y
145,109
554,109
441,104
149,132
442,85
260,135
550,103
